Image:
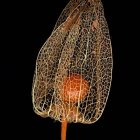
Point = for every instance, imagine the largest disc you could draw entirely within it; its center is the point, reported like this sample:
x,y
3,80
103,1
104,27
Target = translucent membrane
x,y
73,70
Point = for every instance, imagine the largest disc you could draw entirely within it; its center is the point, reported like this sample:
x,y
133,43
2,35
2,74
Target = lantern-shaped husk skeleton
x,y
74,67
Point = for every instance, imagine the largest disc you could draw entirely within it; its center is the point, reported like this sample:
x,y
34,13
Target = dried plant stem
x,y
63,130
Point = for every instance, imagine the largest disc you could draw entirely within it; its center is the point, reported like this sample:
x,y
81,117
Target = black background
x,y
26,27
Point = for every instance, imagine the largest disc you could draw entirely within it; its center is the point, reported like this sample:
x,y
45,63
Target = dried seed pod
x,y
74,67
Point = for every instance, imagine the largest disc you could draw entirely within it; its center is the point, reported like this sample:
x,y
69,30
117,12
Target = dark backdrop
x,y
28,25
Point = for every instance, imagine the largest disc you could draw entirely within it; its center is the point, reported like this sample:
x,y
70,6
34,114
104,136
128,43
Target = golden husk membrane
x,y
73,70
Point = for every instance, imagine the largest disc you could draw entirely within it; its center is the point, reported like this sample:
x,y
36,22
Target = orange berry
x,y
75,88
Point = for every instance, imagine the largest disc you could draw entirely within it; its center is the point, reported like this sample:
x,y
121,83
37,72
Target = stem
x,y
63,130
